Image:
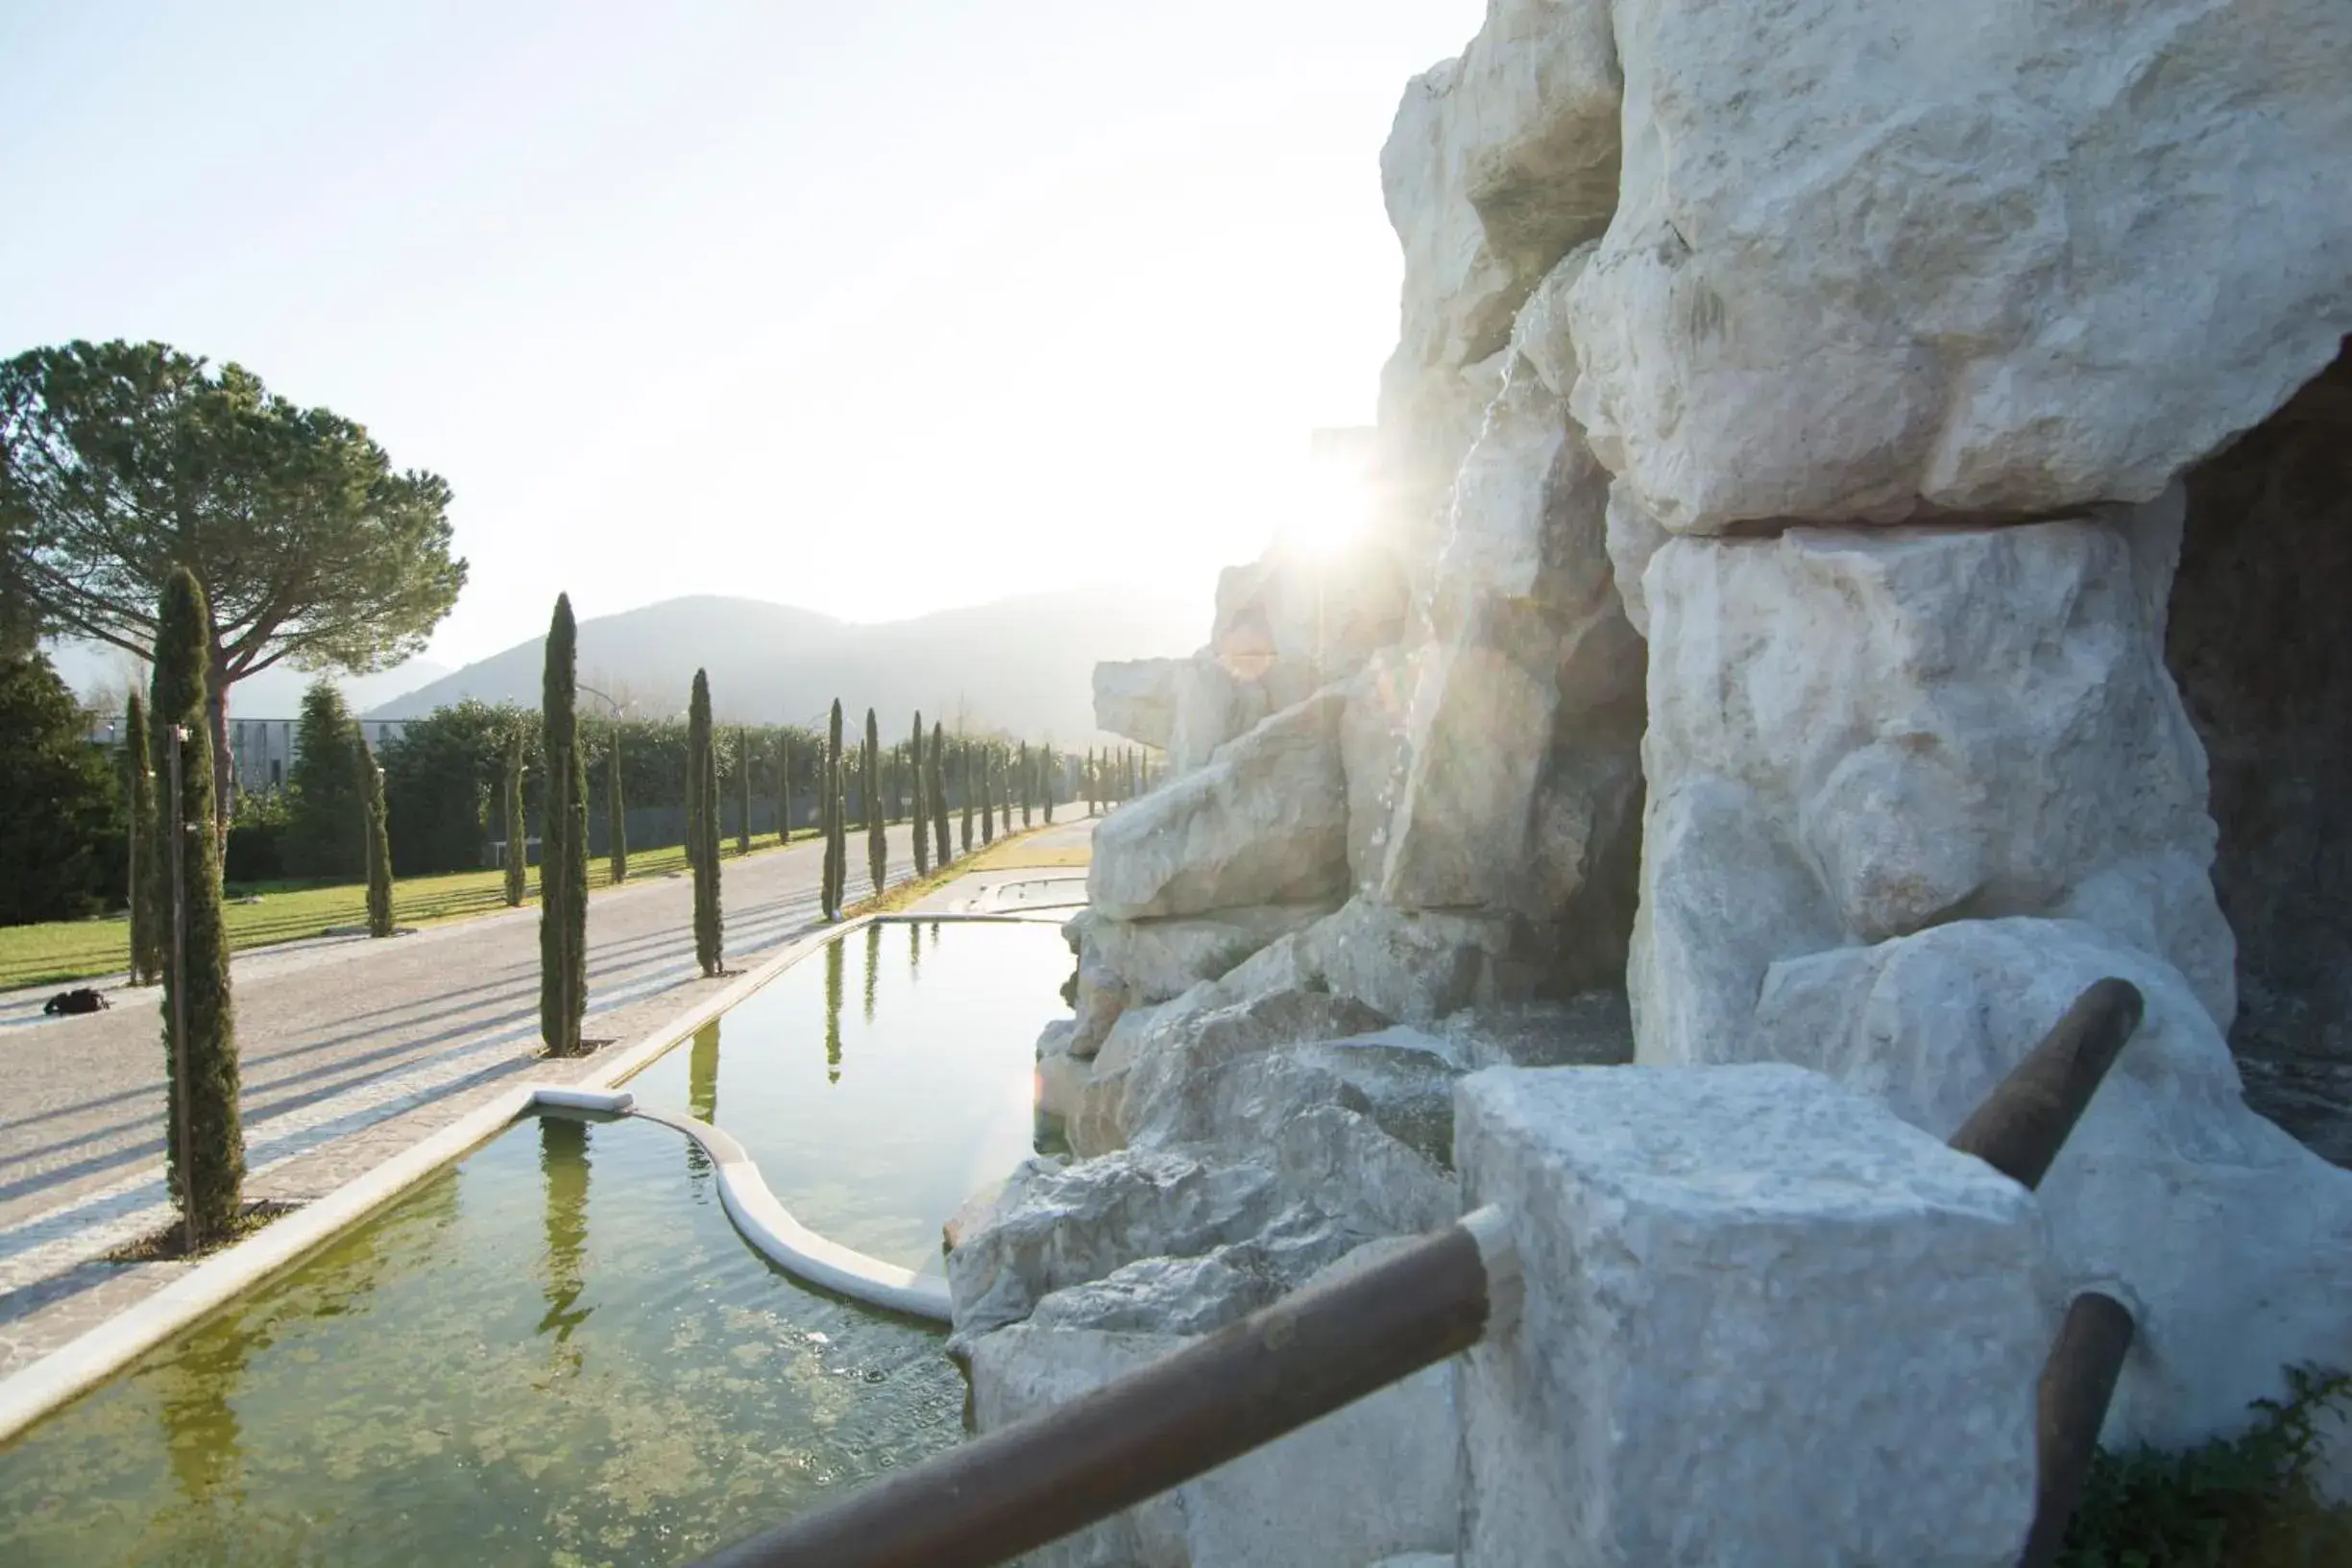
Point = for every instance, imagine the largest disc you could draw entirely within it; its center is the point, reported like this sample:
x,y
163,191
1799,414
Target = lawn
x,y
1019,854
73,949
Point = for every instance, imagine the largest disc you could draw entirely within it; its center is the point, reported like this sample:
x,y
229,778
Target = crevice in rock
x,y
2260,640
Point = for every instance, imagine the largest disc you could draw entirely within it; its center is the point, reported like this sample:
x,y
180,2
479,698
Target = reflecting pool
x,y
881,1081
556,1352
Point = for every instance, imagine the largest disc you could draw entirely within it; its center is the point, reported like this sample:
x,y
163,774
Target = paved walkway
x,y
350,1050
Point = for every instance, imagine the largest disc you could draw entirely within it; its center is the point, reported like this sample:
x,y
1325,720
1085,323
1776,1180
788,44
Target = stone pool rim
x,y
91,1358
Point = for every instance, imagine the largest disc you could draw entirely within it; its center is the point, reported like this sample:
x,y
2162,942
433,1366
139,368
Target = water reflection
x,y
878,1138
701,1097
563,1169
832,1012
389,1401
201,1436
873,967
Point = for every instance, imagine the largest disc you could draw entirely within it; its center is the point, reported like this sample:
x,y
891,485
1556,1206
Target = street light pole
x,y
180,992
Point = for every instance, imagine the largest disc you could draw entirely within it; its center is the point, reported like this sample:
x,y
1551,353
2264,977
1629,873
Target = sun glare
x,y
1327,507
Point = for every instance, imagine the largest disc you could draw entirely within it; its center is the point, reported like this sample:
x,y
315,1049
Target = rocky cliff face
x,y
1825,444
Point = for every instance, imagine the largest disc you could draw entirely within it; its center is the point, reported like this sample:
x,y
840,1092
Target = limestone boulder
x,y
1412,965
1753,1275
1293,616
1594,1029
1152,961
1969,278
1991,724
1170,1085
1212,706
1055,1227
1137,698
2230,1242
1501,162
1264,822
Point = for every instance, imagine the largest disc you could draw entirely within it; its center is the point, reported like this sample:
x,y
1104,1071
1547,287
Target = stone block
x,y
1762,1322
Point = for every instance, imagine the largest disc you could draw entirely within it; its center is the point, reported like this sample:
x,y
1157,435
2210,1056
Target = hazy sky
x,y
874,307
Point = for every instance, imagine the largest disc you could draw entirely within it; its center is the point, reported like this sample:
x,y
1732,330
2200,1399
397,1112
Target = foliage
x,y
2244,1501
617,814
326,794
257,850
562,842
207,1175
784,789
829,817
963,767
444,774
518,822
918,809
147,894
62,824
703,816
877,840
742,788
379,847
937,792
120,462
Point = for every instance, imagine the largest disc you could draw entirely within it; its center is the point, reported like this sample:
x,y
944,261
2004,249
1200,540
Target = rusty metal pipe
x,y
1062,1469
2078,1383
2023,1122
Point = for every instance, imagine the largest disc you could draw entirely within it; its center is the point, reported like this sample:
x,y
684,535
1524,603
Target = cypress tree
x,y
963,766
515,824
702,786
742,788
920,817
562,842
938,792
147,886
1086,779
616,815
379,841
784,789
1026,775
839,783
575,893
829,812
208,1170
988,793
877,835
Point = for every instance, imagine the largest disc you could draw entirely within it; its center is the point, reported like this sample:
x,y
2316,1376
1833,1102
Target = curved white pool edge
x,y
97,1352
799,1251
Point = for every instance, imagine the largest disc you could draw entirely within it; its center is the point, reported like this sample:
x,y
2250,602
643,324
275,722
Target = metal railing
x,y
1036,1479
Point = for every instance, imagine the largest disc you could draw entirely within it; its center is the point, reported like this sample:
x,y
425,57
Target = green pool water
x,y
881,1082
559,1351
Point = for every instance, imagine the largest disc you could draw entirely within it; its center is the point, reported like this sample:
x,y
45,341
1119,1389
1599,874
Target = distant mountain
x,y
1023,664
99,673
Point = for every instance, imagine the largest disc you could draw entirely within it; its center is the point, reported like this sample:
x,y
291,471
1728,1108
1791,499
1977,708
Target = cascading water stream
x,y
1423,620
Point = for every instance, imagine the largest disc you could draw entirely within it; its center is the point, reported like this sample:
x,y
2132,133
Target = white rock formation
x,y
1869,260
1755,1277
1137,698
1785,463
1265,822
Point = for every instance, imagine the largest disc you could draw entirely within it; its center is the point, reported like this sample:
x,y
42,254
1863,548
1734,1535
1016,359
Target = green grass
x,y
74,949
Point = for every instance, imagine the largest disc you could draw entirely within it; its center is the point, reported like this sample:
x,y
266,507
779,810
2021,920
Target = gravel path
x,y
350,1050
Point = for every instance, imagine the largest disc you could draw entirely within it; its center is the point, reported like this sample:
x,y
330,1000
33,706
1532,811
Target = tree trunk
x,y
224,767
